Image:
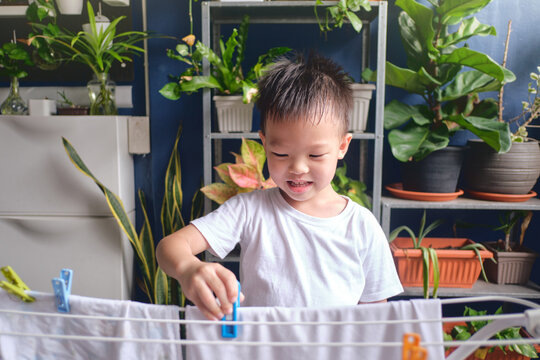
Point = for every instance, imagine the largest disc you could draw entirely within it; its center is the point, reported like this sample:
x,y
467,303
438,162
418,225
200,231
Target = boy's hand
x,y
202,282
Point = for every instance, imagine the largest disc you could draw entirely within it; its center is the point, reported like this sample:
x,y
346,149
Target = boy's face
x,y
302,158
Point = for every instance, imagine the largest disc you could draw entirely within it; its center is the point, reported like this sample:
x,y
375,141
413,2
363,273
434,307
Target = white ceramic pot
x,y
70,7
232,114
359,112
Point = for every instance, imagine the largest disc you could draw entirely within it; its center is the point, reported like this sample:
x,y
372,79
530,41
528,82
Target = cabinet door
x,y
37,248
37,177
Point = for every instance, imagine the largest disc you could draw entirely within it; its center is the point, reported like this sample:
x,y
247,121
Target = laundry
x,y
345,338
16,348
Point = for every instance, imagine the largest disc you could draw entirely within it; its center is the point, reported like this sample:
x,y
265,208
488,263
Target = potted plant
x,y
226,76
67,107
457,262
335,15
489,175
245,175
13,59
158,286
450,101
354,189
462,331
98,49
514,261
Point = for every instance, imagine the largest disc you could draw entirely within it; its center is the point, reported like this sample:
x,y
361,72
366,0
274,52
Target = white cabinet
x,y
53,216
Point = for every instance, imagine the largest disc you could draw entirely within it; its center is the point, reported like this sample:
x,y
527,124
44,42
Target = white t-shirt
x,y
292,259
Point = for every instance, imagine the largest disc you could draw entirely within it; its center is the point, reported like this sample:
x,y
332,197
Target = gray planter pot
x,y
514,172
436,173
512,267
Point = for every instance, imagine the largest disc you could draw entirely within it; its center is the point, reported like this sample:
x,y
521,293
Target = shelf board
x,y
255,135
275,12
481,288
13,11
460,203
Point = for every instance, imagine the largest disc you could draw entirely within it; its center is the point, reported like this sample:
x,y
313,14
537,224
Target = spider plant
x,y
429,255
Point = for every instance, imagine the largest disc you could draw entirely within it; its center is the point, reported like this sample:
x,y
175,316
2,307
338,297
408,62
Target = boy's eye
x,y
316,155
279,155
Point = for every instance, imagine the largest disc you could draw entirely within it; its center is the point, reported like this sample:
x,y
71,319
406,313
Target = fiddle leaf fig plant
x,y
447,77
226,74
245,175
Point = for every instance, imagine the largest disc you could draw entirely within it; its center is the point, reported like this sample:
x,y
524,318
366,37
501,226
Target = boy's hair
x,y
306,90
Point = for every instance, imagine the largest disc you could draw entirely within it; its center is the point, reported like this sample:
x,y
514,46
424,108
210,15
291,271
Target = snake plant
x,y
159,287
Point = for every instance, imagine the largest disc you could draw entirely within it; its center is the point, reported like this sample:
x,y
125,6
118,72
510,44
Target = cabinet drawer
x,y
37,248
38,177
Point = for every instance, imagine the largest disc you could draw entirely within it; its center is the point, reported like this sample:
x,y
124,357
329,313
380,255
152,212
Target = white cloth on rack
x,y
378,333
12,347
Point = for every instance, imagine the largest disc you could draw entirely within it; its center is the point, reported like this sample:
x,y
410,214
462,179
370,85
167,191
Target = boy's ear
x,y
344,145
263,139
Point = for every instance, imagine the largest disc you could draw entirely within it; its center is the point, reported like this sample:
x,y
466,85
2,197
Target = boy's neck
x,y
327,204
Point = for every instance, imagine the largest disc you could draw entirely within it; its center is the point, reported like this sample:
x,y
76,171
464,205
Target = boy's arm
x,y
176,255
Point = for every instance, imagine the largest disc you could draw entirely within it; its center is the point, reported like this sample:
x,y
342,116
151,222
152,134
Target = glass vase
x,y
101,91
14,104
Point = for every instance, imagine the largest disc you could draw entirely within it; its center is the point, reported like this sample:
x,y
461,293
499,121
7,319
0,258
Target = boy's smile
x,y
302,160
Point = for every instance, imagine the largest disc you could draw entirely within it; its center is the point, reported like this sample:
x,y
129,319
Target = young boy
x,y
301,243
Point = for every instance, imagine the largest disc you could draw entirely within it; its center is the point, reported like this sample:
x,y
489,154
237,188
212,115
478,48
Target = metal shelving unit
x,y
216,13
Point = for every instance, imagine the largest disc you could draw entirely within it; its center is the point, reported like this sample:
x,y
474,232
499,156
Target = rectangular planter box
x,y
458,268
512,267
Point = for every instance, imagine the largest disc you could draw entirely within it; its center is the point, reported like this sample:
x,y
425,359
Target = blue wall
x,y
170,17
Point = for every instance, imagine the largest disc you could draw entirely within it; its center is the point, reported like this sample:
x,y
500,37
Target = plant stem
x,y
501,90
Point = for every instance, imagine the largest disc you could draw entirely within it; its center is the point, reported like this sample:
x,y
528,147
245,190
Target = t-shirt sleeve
x,y
382,280
223,227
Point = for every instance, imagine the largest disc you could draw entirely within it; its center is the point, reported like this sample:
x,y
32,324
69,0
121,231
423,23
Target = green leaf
x,y
200,82
253,154
397,113
161,291
453,11
425,271
468,28
394,234
417,54
171,91
416,142
219,192
146,239
223,172
465,83
423,20
481,62
496,134
405,79
436,270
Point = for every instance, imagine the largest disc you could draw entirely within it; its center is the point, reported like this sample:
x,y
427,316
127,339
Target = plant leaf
x,y
253,154
161,291
245,176
219,192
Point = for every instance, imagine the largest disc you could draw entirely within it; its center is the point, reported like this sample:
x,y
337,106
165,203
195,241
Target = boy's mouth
x,y
299,186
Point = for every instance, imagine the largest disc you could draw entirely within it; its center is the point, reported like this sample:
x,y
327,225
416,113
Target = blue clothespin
x,y
14,284
231,331
62,289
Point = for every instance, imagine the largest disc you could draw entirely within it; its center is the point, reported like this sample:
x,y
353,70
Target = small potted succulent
x,y
67,107
235,90
457,262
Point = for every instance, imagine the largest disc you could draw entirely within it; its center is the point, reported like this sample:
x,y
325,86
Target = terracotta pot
x,y
458,268
512,267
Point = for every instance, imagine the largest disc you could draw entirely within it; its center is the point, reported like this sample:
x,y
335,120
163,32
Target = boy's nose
x,y
298,166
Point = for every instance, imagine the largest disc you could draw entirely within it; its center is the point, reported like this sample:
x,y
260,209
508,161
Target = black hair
x,y
305,89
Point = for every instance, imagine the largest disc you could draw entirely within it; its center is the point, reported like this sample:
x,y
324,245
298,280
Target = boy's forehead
x,y
306,121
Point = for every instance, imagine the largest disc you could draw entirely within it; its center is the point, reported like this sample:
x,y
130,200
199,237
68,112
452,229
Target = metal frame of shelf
x,y
215,13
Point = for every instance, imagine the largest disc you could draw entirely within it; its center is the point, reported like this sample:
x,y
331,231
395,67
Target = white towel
x,y
379,333
42,348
